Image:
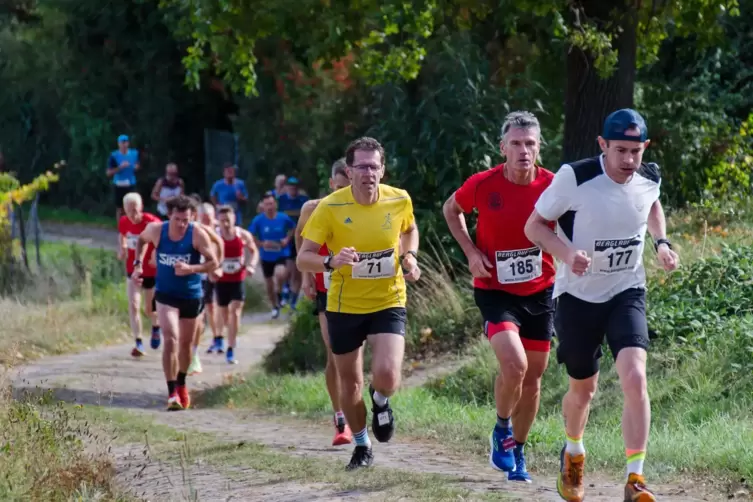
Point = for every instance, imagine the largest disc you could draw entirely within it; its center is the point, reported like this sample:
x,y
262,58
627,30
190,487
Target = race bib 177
x,y
520,265
377,265
615,255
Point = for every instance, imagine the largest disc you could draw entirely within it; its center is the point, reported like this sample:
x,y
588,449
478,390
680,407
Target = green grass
x,y
168,444
74,216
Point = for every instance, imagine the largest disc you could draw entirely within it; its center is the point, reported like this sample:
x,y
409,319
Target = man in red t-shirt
x,y
129,227
315,287
512,282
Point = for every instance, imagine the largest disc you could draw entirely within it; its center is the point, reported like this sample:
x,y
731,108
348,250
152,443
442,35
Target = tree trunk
x,y
588,97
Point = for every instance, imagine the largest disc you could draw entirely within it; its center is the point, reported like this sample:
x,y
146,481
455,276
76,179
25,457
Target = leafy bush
x,y
441,317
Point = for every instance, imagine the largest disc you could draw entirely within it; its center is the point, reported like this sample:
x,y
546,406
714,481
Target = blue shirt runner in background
x,y
226,194
126,177
272,230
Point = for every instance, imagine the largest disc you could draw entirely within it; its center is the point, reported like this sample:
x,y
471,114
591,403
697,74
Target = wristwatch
x,y
328,259
414,253
659,242
136,263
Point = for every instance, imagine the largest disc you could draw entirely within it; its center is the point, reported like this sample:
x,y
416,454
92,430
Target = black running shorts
x,y
268,267
532,316
119,193
347,332
188,308
209,288
321,303
581,327
230,292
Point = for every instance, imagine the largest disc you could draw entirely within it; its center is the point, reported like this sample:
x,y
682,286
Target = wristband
x,y
414,253
659,242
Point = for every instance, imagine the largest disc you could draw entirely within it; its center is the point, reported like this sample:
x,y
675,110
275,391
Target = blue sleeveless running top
x,y
168,253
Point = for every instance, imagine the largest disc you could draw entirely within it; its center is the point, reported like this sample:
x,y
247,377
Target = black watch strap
x,y
136,263
328,259
414,253
659,242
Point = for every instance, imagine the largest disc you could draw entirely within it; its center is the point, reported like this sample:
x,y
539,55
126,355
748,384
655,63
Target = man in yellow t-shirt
x,y
365,226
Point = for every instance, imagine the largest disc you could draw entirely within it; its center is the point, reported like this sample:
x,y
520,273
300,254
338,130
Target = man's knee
x,y
582,392
633,382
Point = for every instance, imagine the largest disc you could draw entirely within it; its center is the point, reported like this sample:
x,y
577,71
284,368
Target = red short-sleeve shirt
x,y
131,231
518,266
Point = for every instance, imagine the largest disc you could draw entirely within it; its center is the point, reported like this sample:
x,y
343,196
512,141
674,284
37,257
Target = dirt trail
x,y
110,377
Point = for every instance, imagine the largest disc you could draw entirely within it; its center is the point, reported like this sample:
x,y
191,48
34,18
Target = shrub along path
x,y
278,457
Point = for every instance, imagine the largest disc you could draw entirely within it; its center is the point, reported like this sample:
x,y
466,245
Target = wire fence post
x,y
34,217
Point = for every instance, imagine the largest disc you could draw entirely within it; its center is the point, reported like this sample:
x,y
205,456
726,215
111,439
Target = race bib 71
x,y
377,265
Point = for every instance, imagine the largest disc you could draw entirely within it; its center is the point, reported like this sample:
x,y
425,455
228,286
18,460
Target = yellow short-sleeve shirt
x,y
376,282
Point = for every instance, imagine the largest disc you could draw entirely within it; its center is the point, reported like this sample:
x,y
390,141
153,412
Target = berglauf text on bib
x,y
518,265
377,265
615,255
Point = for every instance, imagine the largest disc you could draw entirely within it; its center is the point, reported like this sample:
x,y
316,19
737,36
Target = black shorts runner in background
x,y
533,314
268,267
321,303
347,332
581,327
209,288
188,308
227,292
119,193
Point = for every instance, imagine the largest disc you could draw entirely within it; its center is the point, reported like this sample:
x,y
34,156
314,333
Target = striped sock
x,y
635,459
575,445
362,438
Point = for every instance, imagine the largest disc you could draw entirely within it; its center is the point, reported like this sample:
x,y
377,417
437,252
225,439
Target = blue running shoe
x,y
156,339
520,473
212,347
230,356
501,456
138,350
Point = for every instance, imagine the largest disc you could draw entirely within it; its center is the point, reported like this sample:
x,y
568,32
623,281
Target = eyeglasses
x,y
366,167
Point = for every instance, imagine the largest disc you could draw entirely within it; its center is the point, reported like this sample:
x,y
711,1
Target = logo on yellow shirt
x,y
387,225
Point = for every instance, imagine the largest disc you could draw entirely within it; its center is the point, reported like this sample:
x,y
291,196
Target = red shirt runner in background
x,y
518,266
322,282
131,232
233,266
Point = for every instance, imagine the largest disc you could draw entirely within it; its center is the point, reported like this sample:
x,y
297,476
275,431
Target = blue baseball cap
x,y
622,120
122,137
291,181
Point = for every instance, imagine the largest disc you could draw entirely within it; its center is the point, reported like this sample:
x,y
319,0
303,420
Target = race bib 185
x,y
377,265
520,265
615,255
131,241
231,265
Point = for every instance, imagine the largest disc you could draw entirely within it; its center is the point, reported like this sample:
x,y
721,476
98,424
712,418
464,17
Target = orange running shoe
x,y
636,491
173,402
570,478
342,434
185,399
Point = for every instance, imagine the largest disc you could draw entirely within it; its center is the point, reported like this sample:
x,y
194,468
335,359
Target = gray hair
x,y
520,120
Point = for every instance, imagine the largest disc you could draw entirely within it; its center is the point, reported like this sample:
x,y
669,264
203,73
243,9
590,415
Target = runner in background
x,y
290,202
179,244
230,288
170,185
230,191
206,219
121,167
272,232
315,287
130,226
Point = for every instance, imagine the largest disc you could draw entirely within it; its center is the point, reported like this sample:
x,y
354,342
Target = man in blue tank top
x,y
179,245
121,167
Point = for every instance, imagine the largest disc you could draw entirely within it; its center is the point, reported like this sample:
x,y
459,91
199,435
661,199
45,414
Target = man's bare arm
x,y
308,259
216,241
537,230
657,222
250,243
156,190
409,240
204,244
455,219
151,234
306,210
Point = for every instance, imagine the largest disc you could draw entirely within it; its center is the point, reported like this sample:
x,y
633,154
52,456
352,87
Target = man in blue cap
x,y
290,202
121,167
603,207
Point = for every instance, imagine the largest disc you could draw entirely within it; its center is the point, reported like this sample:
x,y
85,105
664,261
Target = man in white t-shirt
x,y
603,207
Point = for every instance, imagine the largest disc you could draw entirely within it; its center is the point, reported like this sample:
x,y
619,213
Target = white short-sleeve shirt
x,y
606,219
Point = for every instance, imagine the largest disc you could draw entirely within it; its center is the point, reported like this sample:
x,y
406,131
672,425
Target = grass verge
x,y
65,215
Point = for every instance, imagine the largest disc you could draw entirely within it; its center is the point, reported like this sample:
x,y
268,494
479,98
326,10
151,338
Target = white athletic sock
x,y
635,459
379,399
575,446
362,438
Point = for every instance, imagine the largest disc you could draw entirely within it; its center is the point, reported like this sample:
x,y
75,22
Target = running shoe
x,y
342,434
231,356
382,419
173,402
501,446
185,399
570,478
520,473
275,312
212,347
138,350
636,491
195,367
156,339
362,457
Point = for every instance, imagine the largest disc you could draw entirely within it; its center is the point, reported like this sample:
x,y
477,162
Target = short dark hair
x,y
339,168
365,143
181,203
196,198
225,209
268,195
